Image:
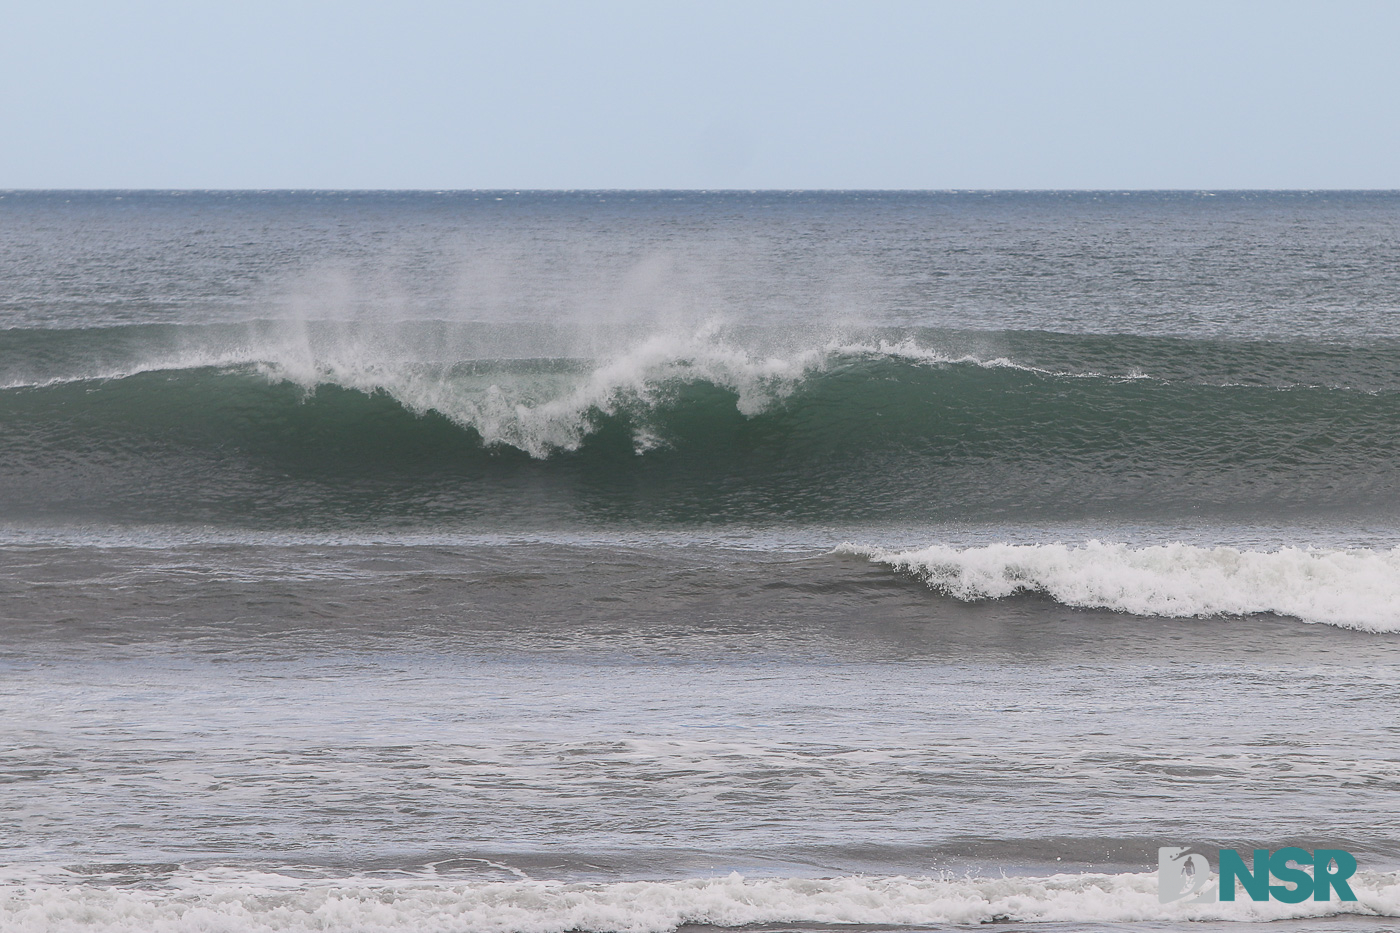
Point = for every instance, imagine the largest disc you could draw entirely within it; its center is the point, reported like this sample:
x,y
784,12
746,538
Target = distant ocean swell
x,y
244,902
836,430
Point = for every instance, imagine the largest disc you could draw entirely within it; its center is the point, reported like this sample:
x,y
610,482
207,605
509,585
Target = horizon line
x,y
527,190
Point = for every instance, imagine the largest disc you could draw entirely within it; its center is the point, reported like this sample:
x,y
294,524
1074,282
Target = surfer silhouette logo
x,y
1182,873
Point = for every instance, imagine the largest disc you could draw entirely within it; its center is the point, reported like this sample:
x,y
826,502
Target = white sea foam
x,y
245,901
1356,588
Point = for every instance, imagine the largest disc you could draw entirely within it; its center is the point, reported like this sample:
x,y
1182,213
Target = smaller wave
x,y
234,900
1357,588
910,350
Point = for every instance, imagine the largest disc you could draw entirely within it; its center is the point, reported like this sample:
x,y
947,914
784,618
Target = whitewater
x,y
263,902
1355,588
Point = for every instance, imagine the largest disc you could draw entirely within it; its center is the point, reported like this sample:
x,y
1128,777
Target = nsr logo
x,y
1182,873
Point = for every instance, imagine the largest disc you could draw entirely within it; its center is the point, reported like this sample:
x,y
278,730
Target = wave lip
x,y
255,901
1356,588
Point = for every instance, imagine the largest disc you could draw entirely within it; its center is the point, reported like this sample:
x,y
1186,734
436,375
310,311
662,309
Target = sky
x,y
922,95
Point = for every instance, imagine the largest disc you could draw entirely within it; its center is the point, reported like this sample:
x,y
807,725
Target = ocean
x,y
655,561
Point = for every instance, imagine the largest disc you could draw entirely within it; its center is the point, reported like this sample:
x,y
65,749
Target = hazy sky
x,y
700,95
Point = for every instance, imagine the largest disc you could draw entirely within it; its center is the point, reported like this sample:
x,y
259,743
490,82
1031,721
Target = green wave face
x,y
894,427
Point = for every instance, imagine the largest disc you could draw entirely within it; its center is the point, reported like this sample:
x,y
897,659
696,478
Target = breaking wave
x,y
1348,588
705,424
